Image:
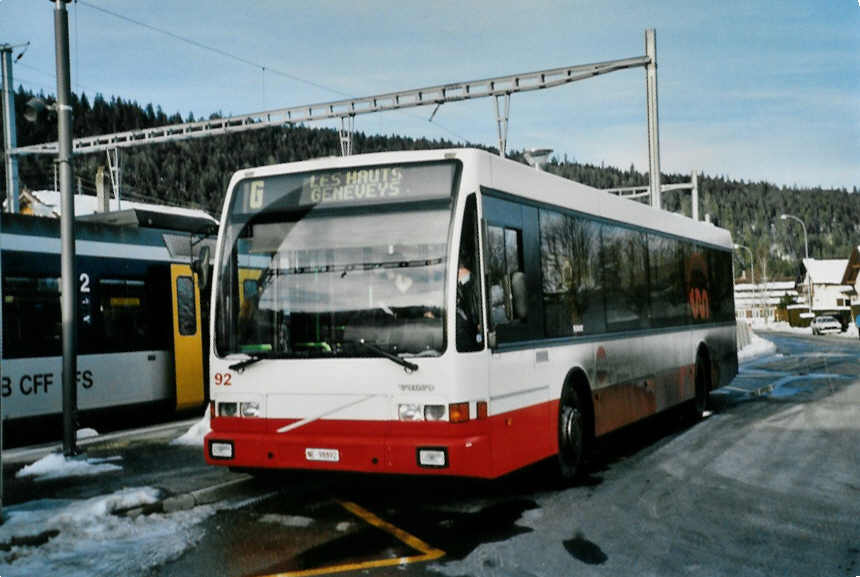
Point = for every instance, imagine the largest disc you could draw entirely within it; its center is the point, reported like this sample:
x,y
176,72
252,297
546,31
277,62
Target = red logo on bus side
x,y
700,304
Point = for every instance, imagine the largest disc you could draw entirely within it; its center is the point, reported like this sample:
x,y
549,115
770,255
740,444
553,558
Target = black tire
x,y
571,438
703,382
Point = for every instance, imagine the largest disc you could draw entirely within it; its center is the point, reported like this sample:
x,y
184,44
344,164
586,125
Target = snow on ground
x,y
85,537
784,327
57,466
287,520
758,347
194,435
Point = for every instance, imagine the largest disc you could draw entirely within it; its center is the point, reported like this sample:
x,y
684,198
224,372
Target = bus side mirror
x,y
519,295
200,266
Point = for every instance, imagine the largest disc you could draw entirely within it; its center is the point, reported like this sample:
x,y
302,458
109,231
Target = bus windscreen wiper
x,y
252,358
408,366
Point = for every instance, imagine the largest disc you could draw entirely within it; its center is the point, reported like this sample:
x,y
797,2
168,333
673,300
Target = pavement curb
x,y
27,455
185,501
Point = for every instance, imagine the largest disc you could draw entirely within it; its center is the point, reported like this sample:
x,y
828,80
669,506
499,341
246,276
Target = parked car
x,y
825,324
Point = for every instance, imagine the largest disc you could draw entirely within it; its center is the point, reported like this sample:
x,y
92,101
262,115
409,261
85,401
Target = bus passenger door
x,y
519,372
187,337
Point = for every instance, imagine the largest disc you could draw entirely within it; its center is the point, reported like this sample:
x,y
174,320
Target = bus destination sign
x,y
346,187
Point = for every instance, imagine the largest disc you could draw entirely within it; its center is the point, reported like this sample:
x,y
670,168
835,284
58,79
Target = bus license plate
x,y
329,455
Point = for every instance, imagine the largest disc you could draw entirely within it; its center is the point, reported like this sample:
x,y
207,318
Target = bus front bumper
x,y
361,446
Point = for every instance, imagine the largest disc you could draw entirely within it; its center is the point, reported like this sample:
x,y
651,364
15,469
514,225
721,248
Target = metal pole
x,y
1,365
67,229
752,273
808,272
694,182
9,136
653,124
806,252
502,121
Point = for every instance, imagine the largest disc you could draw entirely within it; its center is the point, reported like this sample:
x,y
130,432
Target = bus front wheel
x,y
571,439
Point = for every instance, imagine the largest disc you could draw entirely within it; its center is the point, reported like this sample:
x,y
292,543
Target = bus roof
x,y
482,168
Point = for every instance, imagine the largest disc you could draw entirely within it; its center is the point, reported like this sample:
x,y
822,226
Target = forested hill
x,y
196,172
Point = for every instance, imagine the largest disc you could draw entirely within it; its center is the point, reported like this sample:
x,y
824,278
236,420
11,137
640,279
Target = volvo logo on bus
x,y
417,388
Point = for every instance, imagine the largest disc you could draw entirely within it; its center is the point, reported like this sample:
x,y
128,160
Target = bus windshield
x,y
327,263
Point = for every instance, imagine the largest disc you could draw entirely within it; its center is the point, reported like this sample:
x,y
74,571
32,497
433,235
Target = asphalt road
x,y
769,484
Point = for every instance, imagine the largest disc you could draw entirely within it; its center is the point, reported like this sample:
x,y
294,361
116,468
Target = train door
x,y
187,337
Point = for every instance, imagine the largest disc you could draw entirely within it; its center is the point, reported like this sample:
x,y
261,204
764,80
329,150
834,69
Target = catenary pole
x,y
653,123
9,136
67,229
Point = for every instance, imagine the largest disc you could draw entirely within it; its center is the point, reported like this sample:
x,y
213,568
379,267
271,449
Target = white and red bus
x,y
451,312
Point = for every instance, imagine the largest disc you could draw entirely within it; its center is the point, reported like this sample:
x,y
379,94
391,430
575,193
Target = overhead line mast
x,y
499,87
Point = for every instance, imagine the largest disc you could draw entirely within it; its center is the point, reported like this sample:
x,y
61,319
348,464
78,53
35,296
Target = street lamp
x,y
806,249
752,267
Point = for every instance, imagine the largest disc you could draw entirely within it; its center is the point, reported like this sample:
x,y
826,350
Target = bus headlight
x,y
221,449
433,457
409,412
226,409
434,412
249,409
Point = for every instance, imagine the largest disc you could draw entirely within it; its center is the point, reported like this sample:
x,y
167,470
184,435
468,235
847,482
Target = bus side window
x,y
469,325
508,302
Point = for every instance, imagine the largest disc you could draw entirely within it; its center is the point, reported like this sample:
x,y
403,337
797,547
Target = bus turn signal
x,y
458,412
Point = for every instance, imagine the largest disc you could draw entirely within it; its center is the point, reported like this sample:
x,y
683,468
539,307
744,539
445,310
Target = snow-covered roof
x,y
49,205
850,274
828,271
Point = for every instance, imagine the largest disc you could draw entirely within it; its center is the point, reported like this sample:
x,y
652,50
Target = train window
x,y
125,318
186,305
32,325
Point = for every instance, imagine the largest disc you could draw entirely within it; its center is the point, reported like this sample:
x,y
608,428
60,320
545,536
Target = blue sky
x,y
751,90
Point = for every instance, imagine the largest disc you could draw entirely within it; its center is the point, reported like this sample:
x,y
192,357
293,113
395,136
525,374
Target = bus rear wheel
x,y
703,386
571,439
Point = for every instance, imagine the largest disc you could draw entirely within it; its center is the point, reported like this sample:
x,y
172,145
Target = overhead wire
x,y
262,67
214,49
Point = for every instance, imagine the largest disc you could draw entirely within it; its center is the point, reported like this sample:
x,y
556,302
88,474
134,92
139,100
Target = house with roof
x,y
850,277
762,302
830,296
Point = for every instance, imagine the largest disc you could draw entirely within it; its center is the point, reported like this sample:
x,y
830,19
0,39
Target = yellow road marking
x,y
428,552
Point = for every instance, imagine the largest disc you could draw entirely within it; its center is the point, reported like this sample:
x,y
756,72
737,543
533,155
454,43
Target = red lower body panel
x,y
391,446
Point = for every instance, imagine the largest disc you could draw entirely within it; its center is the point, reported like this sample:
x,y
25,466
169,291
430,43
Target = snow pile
x,y
56,466
758,347
86,538
194,435
287,520
86,433
784,327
